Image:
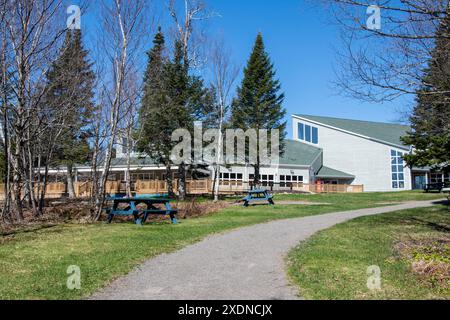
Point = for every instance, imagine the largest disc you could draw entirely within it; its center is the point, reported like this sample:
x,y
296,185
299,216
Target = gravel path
x,y
243,264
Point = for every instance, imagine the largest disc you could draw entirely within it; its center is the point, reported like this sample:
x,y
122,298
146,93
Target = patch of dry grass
x,y
429,259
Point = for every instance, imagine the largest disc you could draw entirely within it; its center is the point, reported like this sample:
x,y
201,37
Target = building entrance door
x,y
420,182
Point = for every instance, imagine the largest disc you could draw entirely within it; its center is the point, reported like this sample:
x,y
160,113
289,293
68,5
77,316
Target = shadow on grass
x,y
432,225
442,202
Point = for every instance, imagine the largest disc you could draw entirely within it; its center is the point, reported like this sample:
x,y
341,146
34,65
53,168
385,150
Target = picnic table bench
x,y
258,195
434,187
439,187
132,206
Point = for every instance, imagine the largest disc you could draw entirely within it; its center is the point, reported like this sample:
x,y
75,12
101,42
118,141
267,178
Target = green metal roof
x,y
296,153
300,154
384,132
140,162
424,169
326,172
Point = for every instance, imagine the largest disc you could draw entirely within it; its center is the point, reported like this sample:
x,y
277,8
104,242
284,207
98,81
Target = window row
x,y
265,179
308,133
439,177
291,178
231,176
288,181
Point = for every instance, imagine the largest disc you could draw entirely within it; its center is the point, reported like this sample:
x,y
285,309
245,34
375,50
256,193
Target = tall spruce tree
x,y
172,100
188,99
156,115
258,104
430,120
70,83
178,85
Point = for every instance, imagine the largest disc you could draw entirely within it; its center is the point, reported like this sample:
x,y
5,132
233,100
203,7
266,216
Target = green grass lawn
x,y
373,197
333,263
34,264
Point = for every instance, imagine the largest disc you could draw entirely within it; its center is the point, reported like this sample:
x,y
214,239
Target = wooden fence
x,y
193,187
53,190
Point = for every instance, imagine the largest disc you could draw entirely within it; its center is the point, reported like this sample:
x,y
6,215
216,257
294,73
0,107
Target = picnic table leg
x,y
110,216
137,219
271,202
173,217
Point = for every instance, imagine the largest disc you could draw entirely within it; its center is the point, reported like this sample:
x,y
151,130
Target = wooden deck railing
x,y
231,187
194,187
336,188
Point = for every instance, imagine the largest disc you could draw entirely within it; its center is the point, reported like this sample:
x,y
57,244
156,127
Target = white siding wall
x,y
369,161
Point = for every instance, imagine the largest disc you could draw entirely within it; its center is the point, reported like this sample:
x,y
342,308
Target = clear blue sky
x,y
300,40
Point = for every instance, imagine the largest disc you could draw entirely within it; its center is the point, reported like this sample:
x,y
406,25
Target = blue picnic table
x,y
140,207
258,195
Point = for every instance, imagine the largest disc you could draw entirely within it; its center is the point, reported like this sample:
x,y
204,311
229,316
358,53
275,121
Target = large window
x,y
398,170
308,133
301,131
315,135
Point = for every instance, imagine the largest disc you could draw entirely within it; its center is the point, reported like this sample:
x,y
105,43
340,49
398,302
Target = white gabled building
x,y
347,152
370,151
324,151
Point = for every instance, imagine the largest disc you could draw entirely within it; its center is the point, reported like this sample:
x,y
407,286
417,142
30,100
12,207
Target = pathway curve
x,y
244,264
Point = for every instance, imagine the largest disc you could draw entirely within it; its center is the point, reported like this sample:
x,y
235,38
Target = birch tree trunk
x,y
182,182
128,170
70,186
169,180
225,74
123,24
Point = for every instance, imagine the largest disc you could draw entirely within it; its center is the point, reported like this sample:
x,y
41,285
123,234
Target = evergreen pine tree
x,y
172,99
70,83
258,104
178,97
156,115
187,97
431,116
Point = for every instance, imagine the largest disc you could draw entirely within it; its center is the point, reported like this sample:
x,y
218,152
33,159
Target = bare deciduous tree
x,y
186,16
383,64
30,37
124,23
225,74
129,122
